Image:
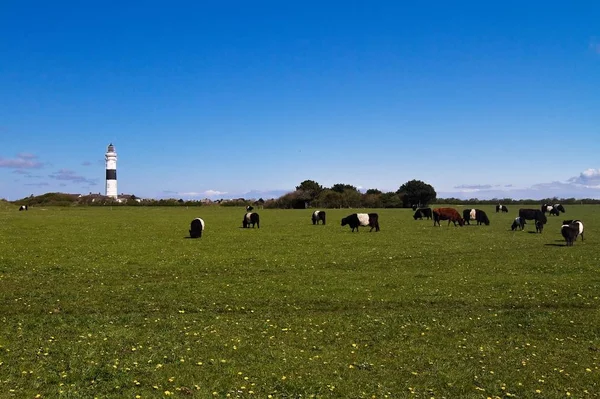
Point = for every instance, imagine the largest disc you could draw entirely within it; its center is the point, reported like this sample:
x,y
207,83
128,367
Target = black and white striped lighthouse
x,y
111,171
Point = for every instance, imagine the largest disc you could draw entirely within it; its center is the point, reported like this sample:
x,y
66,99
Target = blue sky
x,y
236,98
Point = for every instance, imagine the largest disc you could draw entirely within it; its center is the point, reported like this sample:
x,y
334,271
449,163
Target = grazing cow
x,y
579,224
518,222
552,209
196,228
502,208
362,219
449,214
251,218
414,207
422,212
559,207
23,208
318,215
533,214
249,208
476,214
539,226
570,233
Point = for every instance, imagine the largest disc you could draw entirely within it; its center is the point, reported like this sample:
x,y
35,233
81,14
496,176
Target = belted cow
x,y
579,225
502,208
362,219
196,228
318,216
251,218
476,214
23,208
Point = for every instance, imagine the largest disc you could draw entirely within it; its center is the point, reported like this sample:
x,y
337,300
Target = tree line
x,y
312,194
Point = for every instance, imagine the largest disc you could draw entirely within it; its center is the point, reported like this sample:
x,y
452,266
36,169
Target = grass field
x,y
111,303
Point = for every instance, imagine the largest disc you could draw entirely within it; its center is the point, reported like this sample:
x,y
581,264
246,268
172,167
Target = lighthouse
x,y
111,171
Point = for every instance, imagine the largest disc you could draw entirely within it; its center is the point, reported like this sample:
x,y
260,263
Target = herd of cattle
x,y
570,229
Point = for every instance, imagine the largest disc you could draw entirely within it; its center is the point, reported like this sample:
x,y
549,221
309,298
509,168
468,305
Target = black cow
x,y
422,212
251,218
559,207
533,214
518,222
318,216
476,214
196,228
579,225
539,226
362,219
501,208
23,208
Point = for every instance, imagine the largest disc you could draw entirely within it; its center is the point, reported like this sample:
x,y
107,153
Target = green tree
x,y
417,192
309,189
373,191
340,188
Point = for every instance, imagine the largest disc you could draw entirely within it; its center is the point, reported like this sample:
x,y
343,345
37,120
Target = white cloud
x,y
586,185
588,178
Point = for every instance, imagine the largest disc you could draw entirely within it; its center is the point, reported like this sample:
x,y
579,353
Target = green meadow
x,y
118,302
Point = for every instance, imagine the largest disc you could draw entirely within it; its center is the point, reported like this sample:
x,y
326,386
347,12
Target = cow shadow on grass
x,y
555,245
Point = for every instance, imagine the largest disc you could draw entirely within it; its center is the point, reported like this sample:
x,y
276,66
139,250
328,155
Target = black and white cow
x,y
476,214
579,225
251,218
553,209
196,228
249,208
533,214
570,232
318,216
362,219
502,208
23,208
423,212
518,222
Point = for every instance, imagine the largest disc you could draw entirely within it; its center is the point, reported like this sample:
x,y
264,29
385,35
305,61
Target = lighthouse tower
x,y
111,171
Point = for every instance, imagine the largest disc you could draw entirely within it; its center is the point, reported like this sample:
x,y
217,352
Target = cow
x,y
559,207
449,214
539,226
476,214
570,232
422,212
23,208
552,209
196,228
318,216
518,222
362,219
249,208
579,224
251,218
533,214
502,208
